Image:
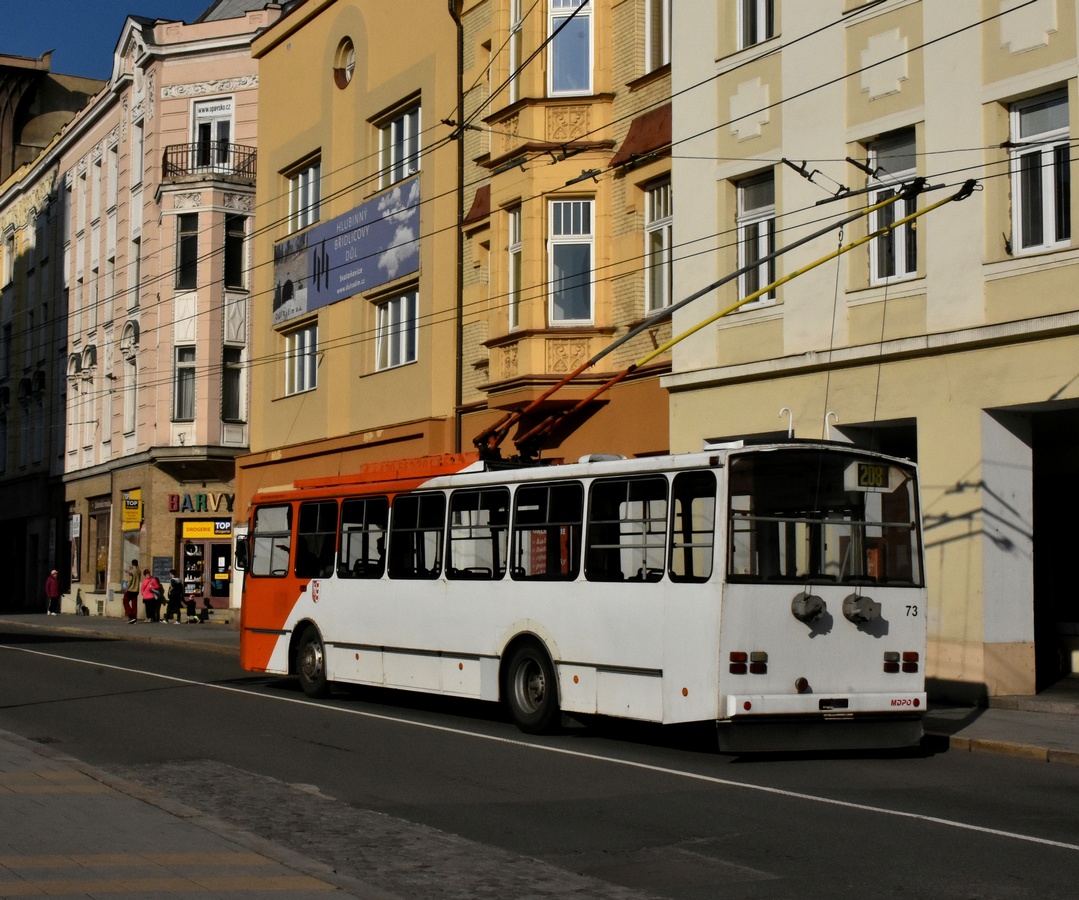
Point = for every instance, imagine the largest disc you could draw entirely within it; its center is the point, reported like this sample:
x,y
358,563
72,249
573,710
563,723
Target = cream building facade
x,y
145,205
490,136
953,339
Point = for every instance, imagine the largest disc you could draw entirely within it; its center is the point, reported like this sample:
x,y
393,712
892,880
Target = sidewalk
x,y
1045,727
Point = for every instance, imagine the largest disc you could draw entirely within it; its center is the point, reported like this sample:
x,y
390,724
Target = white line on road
x,y
578,754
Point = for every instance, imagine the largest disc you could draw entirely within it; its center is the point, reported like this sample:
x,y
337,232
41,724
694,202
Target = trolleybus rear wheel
x,y
311,664
530,690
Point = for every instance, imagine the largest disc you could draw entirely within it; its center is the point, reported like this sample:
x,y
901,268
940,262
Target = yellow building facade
x,y
951,339
455,220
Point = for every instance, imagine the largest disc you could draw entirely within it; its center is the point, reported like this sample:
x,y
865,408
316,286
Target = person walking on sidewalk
x,y
175,597
151,596
52,593
132,581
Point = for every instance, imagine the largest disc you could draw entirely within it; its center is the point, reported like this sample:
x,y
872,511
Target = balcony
x,y
208,160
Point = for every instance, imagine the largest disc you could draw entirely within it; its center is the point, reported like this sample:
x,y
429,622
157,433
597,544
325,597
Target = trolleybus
x,y
775,589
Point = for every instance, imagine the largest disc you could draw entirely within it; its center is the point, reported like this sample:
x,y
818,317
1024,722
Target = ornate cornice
x,y
204,88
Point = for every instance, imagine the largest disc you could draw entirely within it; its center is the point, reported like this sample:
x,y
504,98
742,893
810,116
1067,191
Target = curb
x,y
1008,748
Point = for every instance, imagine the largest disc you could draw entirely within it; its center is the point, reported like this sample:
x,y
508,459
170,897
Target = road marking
x,y
577,754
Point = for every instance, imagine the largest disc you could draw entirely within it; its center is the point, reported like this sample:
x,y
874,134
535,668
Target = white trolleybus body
x,y
776,589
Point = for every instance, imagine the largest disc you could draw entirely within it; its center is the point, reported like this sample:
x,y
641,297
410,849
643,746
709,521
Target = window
x,y
570,261
547,527
9,257
657,34
400,143
95,190
569,68
113,175
184,385
304,195
756,234
137,137
395,331
693,501
416,535
232,398
134,273
657,246
235,229
315,537
1041,172
516,49
271,541
301,359
479,533
187,251
893,161
627,530
514,299
344,63
131,383
757,21
363,538
213,130
91,306
110,288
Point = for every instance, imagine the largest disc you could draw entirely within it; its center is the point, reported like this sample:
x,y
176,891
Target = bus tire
x,y
311,664
530,689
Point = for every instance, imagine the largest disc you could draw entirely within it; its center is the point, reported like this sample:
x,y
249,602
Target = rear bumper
x,y
788,734
752,706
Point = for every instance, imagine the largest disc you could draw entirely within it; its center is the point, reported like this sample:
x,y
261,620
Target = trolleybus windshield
x,y
804,515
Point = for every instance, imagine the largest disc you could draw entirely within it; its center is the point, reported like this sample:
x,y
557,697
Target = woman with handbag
x,y
152,593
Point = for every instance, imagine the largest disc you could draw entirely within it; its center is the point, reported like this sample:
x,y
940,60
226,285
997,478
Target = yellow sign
x,y
208,529
132,515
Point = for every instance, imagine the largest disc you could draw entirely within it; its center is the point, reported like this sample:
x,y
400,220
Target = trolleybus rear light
x,y
739,660
739,668
758,668
891,667
910,661
891,660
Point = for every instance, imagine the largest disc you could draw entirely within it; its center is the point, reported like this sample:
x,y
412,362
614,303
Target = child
x,y
176,595
206,611
192,618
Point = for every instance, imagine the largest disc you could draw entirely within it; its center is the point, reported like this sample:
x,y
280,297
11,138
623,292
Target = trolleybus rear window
x,y
810,516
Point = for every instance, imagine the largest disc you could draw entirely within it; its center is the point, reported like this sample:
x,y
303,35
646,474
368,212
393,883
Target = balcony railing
x,y
209,159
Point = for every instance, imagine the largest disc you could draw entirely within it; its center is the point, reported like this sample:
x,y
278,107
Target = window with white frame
x,y
657,34
134,273
129,352
570,259
516,49
213,132
569,54
893,160
756,234
396,325
513,221
657,246
304,195
757,21
137,148
301,359
184,385
232,397
400,145
1041,172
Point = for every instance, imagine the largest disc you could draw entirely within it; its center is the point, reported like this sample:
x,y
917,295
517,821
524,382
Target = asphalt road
x,y
422,797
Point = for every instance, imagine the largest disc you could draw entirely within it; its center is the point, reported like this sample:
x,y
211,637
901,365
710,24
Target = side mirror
x,y
242,555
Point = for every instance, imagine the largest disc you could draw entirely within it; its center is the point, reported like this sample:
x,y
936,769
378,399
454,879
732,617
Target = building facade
x,y
150,199
489,141
951,338
35,104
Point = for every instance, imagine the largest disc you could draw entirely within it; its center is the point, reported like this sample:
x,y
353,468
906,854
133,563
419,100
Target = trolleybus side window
x,y
363,537
825,517
271,539
693,499
479,522
416,535
315,538
547,526
627,529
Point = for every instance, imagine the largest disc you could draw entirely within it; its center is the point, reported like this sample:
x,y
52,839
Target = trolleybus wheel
x,y
311,664
530,690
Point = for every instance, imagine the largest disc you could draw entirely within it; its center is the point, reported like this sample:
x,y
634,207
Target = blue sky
x,y
81,33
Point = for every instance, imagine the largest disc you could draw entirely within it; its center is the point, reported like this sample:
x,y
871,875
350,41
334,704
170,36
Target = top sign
x,y
371,245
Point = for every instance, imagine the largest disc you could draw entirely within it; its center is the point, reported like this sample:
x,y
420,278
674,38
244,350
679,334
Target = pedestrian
x,y
151,596
132,581
206,611
52,593
192,612
176,596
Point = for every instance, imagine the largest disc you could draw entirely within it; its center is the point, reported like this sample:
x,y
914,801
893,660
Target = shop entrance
x,y
206,568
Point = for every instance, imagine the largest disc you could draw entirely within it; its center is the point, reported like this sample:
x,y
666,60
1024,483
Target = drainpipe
x,y
458,377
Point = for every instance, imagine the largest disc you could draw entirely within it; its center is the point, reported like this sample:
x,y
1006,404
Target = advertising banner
x,y
132,516
371,245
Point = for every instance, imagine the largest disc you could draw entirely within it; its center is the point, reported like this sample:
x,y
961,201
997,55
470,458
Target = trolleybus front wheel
x,y
311,664
530,690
